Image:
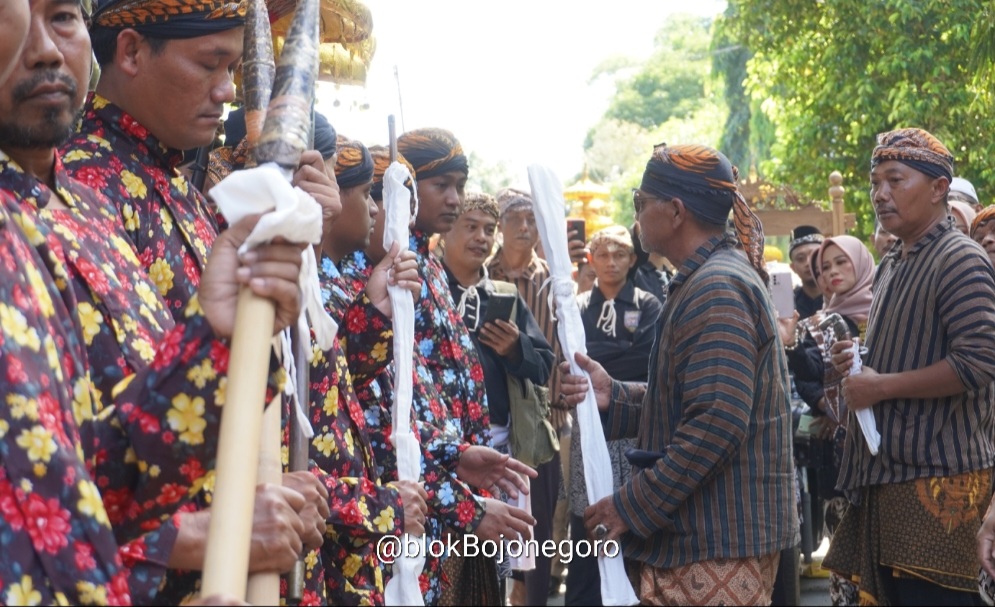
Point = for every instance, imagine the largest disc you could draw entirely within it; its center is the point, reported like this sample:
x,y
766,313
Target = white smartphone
x,y
782,292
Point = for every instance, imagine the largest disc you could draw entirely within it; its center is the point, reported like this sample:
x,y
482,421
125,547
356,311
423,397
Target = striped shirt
x,y
532,287
717,412
936,304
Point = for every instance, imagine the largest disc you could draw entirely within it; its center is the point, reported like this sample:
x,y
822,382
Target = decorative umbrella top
x,y
586,190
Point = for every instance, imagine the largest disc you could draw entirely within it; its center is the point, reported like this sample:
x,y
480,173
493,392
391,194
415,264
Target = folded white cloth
x,y
294,215
865,417
403,587
550,218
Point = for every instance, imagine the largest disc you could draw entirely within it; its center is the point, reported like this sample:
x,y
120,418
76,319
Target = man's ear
x,y
127,54
680,211
941,187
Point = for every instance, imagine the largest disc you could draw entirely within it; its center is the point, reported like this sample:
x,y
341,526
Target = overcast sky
x,y
509,79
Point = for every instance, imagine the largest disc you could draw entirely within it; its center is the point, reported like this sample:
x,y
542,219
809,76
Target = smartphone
x,y
499,305
579,225
782,292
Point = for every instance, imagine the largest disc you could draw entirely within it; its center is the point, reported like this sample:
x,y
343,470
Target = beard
x,y
50,128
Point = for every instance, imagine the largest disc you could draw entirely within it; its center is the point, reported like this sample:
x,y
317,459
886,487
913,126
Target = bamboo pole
x,y
282,141
264,588
226,559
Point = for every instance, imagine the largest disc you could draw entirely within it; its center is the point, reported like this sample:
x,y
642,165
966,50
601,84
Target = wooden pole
x,y
298,459
264,588
282,141
836,191
226,559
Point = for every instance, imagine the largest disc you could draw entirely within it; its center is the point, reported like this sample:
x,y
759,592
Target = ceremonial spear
x,y
283,139
258,72
403,587
547,192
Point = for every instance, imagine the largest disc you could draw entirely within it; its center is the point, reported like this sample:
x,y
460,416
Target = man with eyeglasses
x,y
710,504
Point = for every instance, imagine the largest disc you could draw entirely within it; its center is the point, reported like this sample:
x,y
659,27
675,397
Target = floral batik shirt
x,y
363,510
148,456
445,346
450,501
170,225
166,218
54,531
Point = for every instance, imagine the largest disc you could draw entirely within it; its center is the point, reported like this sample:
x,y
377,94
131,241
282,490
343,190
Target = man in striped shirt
x,y
909,534
711,502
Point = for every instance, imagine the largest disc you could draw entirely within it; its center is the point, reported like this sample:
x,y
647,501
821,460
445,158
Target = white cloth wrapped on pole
x,y
403,587
296,217
547,192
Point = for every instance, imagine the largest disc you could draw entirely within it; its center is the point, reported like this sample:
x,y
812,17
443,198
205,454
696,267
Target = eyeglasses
x,y
639,199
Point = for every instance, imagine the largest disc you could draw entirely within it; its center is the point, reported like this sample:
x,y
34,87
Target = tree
x,y
671,82
668,98
748,134
832,75
487,176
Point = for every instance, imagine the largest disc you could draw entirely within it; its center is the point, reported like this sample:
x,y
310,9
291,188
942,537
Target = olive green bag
x,y
532,439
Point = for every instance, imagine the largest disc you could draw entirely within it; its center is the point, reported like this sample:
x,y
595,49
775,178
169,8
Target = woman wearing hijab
x,y
846,272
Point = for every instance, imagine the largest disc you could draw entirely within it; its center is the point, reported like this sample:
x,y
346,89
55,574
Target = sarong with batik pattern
x,y
748,581
924,529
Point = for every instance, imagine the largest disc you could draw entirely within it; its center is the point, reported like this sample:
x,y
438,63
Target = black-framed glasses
x,y
640,198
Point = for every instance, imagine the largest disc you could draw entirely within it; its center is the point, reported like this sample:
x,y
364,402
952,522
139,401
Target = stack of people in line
x,y
119,285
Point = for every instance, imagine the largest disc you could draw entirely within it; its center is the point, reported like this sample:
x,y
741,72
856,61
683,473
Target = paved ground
x,y
814,590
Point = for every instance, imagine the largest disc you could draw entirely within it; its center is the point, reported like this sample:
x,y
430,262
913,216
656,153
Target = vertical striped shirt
x,y
532,287
717,412
938,303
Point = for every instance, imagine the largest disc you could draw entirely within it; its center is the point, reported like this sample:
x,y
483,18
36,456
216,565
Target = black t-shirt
x,y
805,305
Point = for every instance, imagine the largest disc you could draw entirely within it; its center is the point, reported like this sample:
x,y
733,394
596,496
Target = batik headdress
x,y
915,148
705,181
432,152
353,164
169,18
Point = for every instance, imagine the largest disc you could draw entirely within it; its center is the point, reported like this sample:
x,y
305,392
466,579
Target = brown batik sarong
x,y
924,529
748,581
470,580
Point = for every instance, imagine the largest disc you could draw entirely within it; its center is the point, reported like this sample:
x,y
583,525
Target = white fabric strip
x,y
551,221
403,587
290,213
865,417
606,321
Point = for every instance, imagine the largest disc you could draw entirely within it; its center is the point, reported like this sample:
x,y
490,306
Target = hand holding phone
x,y
578,225
783,293
502,337
499,306
577,243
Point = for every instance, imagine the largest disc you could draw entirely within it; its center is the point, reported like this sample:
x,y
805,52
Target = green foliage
x,y
486,176
748,133
667,98
831,75
671,82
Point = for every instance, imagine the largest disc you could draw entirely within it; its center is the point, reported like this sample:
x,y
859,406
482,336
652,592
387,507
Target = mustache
x,y
23,90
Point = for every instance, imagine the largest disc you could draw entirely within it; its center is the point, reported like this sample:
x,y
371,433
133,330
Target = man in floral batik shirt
x,y
364,510
165,218
58,531
441,338
449,466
